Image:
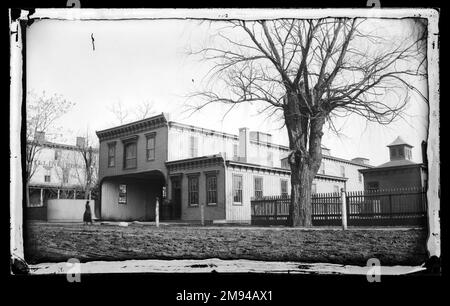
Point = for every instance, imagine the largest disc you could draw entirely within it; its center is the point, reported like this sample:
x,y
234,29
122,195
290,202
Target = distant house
x,y
59,173
186,166
399,172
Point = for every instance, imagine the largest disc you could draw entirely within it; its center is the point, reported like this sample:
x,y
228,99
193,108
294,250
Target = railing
x,y
406,206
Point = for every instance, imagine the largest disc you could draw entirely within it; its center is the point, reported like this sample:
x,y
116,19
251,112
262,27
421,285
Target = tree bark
x,y
300,209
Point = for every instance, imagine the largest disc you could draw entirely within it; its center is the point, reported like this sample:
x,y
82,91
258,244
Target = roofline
x,y
61,145
285,171
421,165
400,144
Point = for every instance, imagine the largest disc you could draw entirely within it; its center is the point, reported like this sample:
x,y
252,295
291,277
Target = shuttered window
x,y
111,154
130,155
284,188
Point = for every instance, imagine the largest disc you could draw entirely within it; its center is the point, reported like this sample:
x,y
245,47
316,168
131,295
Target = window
x,y
360,177
130,158
313,188
57,154
373,186
193,190
237,189
193,146
258,186
235,152
342,171
400,152
322,168
47,177
393,152
122,194
336,189
66,175
211,189
284,188
270,158
111,154
150,147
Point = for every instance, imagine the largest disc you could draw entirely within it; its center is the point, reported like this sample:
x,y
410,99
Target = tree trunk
x,y
300,209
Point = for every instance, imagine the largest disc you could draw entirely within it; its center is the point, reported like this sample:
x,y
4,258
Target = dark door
x,y
176,197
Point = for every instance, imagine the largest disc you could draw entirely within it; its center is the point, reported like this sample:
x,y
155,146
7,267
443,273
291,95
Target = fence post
x,y
344,209
42,197
157,212
202,214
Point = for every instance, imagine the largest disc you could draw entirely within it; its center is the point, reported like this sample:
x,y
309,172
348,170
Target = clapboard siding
x,y
271,186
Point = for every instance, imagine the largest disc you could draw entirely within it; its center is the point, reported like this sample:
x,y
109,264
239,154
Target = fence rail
x,y
406,206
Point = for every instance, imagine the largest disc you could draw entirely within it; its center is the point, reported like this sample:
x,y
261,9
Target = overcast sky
x,y
136,61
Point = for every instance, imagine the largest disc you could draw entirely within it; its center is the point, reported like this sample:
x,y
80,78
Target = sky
x,y
147,60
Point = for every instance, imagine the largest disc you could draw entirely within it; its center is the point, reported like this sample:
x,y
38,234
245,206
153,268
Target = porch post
x,y
157,212
344,209
42,197
74,194
202,213
58,194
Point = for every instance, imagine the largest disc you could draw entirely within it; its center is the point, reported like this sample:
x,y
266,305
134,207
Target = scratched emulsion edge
x,y
433,239
433,193
16,73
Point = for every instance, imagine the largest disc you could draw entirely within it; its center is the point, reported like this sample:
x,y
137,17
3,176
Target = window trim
x,y
125,145
257,177
191,176
281,187
148,136
112,145
209,175
232,189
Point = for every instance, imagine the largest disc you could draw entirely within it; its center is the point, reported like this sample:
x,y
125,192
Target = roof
x,y
399,141
396,163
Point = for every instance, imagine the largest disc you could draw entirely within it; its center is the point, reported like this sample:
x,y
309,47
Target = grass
x,y
47,242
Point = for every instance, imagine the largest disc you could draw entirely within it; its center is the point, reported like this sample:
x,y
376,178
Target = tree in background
x,y
41,113
310,71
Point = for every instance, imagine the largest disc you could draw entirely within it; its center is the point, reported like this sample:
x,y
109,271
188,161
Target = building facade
x,y
186,166
399,172
58,173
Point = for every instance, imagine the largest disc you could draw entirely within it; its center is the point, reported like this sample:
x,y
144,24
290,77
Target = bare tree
x,y
42,111
144,110
120,112
87,156
309,72
125,114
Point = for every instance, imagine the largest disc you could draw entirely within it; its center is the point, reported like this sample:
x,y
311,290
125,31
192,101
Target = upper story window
x,y
237,189
211,189
342,171
111,154
284,188
314,188
150,148
57,154
336,189
193,190
360,177
235,151
270,158
258,181
322,168
66,172
193,146
130,155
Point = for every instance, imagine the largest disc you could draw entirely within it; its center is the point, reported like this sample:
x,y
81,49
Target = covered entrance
x,y
132,197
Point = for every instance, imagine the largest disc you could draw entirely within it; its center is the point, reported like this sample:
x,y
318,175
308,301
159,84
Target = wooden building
x,y
187,166
59,173
399,172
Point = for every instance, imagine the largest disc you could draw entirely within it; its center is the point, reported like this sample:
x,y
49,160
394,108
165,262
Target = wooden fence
x,y
406,206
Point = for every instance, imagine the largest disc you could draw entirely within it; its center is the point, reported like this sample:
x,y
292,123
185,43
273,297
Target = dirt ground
x,y
47,242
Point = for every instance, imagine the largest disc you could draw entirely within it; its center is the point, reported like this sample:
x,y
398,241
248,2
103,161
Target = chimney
x,y
39,136
360,160
244,143
424,152
81,142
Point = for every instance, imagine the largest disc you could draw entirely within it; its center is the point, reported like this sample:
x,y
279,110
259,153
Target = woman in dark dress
x,y
87,217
